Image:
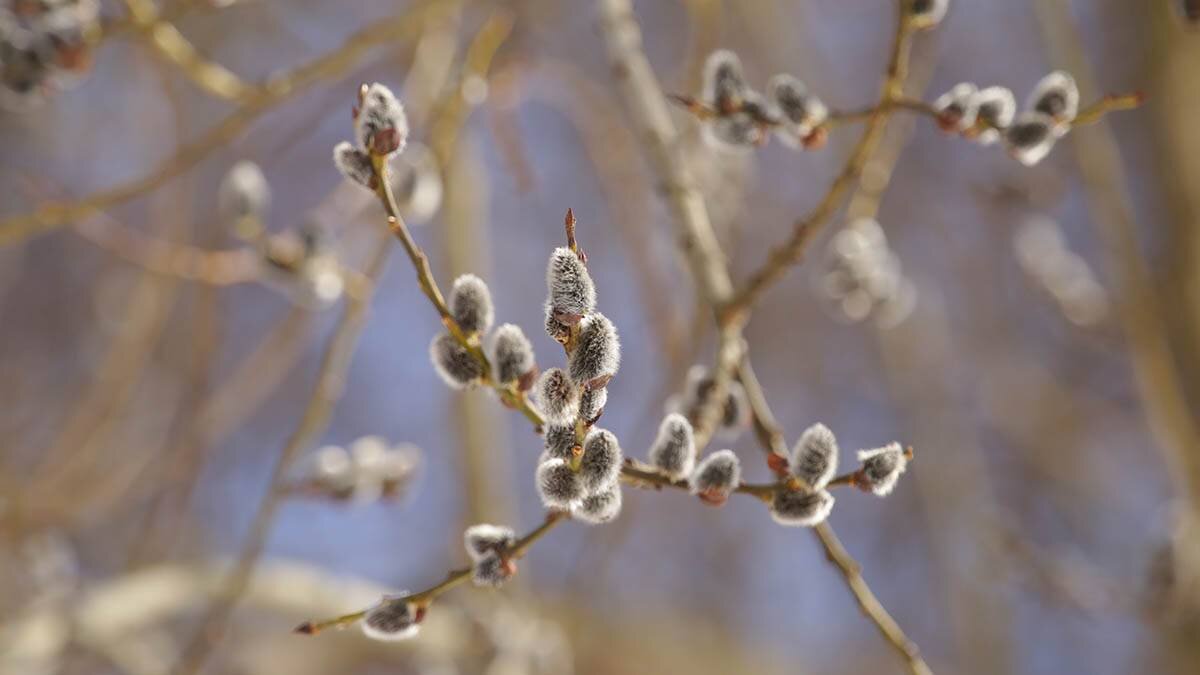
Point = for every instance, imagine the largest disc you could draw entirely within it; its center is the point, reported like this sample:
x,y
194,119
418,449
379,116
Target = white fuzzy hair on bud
x,y
557,396
802,110
924,14
332,472
1057,96
572,292
482,539
735,414
724,84
492,570
674,449
558,486
716,477
736,130
601,464
801,508
1031,137
380,125
454,363
881,468
592,403
512,354
995,108
243,193
957,108
390,620
354,164
599,508
815,457
471,304
559,441
597,353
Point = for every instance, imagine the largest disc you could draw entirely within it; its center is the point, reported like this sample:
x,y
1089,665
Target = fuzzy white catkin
x,y
456,366
599,508
735,414
674,449
557,396
512,353
958,107
881,468
491,570
243,193
380,112
737,130
333,471
592,403
995,107
815,457
1055,95
558,486
1031,137
470,304
572,292
801,508
927,13
724,84
354,164
559,441
482,539
597,353
601,464
716,476
803,110
390,620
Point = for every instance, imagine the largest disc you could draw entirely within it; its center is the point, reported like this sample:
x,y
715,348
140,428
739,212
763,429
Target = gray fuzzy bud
x,y
560,441
512,354
815,457
599,508
380,124
244,193
392,619
482,539
558,486
957,108
881,468
735,414
597,353
556,329
716,476
354,164
802,110
572,292
674,449
801,508
926,13
557,396
601,465
471,304
995,107
1031,137
724,83
1055,95
591,404
738,130
456,366
492,570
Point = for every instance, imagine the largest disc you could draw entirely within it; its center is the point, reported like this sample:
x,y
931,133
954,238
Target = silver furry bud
x,y
1057,96
392,619
492,570
801,508
380,125
1031,137
470,304
597,353
557,396
483,539
924,14
244,193
454,363
957,108
591,404
512,354
599,508
558,486
724,84
601,464
881,468
803,111
560,441
995,108
815,457
572,292
716,477
674,449
354,164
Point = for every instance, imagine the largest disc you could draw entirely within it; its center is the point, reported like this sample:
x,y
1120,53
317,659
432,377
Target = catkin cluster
x,y
861,275
380,130
369,470
45,45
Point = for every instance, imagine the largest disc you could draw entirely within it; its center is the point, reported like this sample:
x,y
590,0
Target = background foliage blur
x,y
1047,375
